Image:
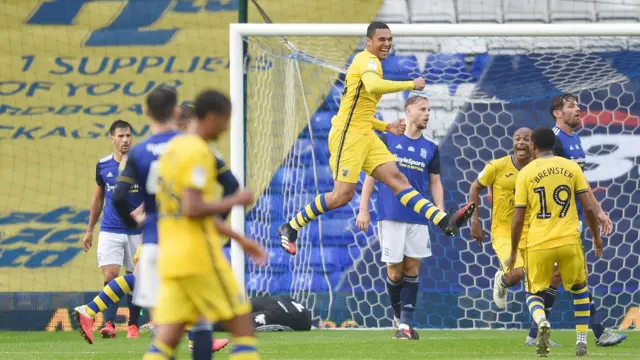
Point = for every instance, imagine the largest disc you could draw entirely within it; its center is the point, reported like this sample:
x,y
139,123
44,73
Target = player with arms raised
x,y
354,146
404,235
566,112
117,242
500,175
196,278
546,189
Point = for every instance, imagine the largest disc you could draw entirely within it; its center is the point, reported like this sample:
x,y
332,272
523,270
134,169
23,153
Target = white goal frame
x,y
237,32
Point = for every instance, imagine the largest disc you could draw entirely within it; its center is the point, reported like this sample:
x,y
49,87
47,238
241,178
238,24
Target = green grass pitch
x,y
320,344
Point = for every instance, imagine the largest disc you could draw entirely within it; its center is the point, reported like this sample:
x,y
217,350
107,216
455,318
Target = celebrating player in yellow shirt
x,y
545,189
500,175
354,146
196,278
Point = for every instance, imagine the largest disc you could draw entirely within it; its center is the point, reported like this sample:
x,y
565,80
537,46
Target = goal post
x,y
278,149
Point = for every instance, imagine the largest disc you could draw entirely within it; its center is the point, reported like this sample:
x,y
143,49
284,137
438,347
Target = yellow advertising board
x,y
68,69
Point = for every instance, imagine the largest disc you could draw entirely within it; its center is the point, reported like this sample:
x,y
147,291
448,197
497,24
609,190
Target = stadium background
x,y
71,67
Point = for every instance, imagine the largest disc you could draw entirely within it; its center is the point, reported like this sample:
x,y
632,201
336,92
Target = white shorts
x,y
117,249
147,280
400,239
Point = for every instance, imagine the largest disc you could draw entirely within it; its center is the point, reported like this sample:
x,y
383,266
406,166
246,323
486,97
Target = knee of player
x,y
411,267
579,286
395,271
398,181
342,197
517,274
110,275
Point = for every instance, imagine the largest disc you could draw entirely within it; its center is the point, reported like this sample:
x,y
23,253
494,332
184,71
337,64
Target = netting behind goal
x,y
481,89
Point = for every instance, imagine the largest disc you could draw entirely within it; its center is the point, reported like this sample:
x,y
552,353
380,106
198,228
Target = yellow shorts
x,y
539,266
352,152
501,243
215,296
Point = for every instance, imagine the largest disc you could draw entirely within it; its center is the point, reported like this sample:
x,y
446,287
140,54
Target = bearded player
x,y
354,146
117,243
566,112
545,192
159,103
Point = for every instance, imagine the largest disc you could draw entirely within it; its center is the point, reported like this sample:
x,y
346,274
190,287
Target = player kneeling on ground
x,y
403,232
545,189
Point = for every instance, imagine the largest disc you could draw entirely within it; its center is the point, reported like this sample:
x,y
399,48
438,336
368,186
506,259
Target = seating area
x,y
508,11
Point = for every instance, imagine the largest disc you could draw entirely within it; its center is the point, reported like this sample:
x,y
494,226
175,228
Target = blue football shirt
x,y
142,167
106,176
416,159
570,147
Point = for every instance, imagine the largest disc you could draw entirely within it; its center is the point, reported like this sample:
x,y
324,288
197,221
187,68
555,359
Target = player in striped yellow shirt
x,y
545,191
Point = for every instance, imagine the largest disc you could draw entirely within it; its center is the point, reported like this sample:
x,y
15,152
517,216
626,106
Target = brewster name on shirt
x,y
556,170
410,163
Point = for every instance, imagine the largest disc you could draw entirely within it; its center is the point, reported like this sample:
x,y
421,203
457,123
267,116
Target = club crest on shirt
x,y
423,153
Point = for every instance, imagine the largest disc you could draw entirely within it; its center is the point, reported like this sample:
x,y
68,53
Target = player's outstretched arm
x,y
590,212
250,247
120,194
363,220
194,205
374,84
476,225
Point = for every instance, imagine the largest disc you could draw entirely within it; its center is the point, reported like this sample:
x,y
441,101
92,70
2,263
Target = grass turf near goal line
x,y
320,344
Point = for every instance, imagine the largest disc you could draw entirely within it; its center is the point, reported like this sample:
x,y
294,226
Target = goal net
x,y
484,82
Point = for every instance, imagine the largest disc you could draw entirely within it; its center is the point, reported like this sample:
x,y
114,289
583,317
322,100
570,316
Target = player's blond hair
x,y
414,100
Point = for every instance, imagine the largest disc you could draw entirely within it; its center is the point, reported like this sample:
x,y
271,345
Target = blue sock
x,y
111,311
202,341
393,289
408,298
549,296
594,320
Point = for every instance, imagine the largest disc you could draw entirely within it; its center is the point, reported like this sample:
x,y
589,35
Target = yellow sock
x,y
244,348
159,351
412,199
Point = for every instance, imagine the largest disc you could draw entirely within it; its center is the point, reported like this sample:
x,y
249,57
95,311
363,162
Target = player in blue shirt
x,y
117,243
403,233
124,285
566,113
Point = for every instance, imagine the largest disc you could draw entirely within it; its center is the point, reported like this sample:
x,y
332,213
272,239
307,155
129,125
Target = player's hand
x,y
257,254
87,241
397,127
605,222
476,230
243,197
139,215
511,261
363,220
598,245
419,83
